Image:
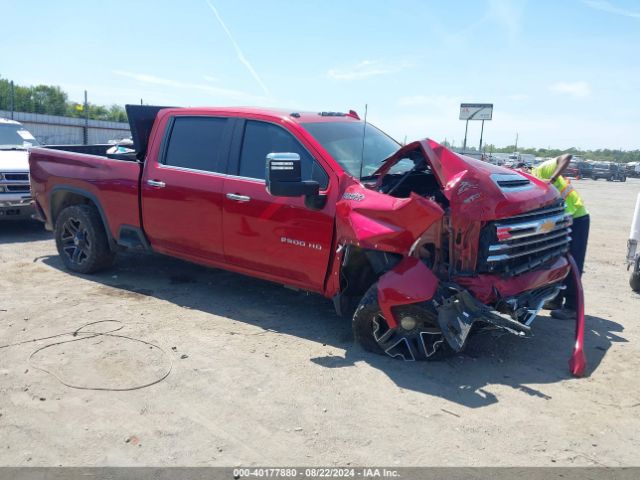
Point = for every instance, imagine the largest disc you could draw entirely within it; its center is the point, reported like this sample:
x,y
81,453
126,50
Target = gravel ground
x,y
265,375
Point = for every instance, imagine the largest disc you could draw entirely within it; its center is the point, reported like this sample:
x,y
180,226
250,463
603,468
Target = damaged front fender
x,y
373,220
408,282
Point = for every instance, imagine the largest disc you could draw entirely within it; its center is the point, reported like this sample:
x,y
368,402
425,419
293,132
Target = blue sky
x,y
560,73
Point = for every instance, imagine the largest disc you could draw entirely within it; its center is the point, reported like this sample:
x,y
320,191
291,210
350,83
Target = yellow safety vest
x,y
573,201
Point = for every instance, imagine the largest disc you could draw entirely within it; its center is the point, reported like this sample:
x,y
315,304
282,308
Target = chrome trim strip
x,y
496,247
555,210
514,228
506,256
207,172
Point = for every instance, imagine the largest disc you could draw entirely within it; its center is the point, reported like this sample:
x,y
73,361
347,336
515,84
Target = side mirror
x,y
284,177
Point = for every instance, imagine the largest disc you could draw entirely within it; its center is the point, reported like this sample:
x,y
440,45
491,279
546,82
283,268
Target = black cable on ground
x,y
86,335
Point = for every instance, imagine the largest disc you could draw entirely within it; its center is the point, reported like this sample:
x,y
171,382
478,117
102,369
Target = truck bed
x,y
60,172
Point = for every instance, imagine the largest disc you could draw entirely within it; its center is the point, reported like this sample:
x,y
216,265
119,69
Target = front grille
x,y
18,188
17,177
14,182
514,245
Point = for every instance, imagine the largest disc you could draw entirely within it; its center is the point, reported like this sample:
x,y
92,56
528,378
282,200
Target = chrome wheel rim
x,y
418,343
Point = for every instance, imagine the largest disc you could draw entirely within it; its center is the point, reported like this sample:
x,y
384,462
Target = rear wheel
x,y
417,336
81,239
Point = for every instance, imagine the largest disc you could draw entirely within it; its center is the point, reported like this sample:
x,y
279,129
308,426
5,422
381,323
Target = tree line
x,y
52,100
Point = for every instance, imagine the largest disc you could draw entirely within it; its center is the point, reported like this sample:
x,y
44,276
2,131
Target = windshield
x,y
15,137
343,140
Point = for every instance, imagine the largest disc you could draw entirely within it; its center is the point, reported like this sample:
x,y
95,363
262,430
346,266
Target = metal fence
x,y
54,130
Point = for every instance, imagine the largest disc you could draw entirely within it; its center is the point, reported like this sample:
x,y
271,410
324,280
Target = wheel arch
x,y
63,196
360,268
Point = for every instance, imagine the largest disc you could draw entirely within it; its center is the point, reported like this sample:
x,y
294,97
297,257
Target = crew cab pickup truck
x,y
15,195
419,245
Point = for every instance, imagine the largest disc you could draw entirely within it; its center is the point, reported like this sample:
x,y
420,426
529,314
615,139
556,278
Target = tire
x,y
424,342
634,280
81,239
623,179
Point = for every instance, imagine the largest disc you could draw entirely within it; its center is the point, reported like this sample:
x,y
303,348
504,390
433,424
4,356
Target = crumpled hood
x,y
477,189
14,161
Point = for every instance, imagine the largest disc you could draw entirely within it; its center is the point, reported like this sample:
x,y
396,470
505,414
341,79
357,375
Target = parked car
x,y
632,169
15,195
420,246
572,170
585,169
608,170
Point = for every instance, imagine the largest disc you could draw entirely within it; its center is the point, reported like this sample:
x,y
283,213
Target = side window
x,y
197,143
262,138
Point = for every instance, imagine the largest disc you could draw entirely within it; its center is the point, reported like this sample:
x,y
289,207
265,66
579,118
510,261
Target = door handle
x,y
238,198
156,183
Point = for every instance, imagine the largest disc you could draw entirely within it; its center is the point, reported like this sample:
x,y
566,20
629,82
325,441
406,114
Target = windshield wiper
x,y
12,148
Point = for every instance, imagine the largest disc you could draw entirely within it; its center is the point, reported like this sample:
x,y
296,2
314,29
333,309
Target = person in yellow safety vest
x,y
551,171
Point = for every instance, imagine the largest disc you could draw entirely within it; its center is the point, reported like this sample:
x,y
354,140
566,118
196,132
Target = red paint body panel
x,y
183,219
374,220
408,282
279,236
114,183
484,287
578,361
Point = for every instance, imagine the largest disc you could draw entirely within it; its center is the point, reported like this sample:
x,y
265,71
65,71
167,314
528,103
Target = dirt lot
x,y
265,375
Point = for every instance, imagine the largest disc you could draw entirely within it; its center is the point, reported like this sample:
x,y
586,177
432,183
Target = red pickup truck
x,y
419,245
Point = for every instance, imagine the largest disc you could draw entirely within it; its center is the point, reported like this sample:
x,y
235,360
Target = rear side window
x,y
261,139
196,143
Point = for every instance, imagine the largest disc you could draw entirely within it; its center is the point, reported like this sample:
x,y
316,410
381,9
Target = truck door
x,y
182,188
280,237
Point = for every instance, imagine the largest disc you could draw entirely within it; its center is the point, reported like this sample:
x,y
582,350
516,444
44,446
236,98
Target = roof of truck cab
x,y
294,115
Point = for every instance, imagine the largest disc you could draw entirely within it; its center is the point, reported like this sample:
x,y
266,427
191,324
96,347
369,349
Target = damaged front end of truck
x,y
436,246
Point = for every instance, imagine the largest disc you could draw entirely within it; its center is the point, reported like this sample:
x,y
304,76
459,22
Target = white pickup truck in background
x,y
15,192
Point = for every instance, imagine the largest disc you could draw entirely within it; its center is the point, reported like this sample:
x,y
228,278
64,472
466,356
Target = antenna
x,y
364,133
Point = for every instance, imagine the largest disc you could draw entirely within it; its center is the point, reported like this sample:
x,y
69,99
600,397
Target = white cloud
x,y
368,69
574,89
234,95
606,6
239,53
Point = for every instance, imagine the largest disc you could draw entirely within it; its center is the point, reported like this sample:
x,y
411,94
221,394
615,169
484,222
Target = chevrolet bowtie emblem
x,y
547,226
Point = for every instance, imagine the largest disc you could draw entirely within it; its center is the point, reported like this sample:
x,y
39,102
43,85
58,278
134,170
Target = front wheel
x,y
417,336
634,280
81,239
